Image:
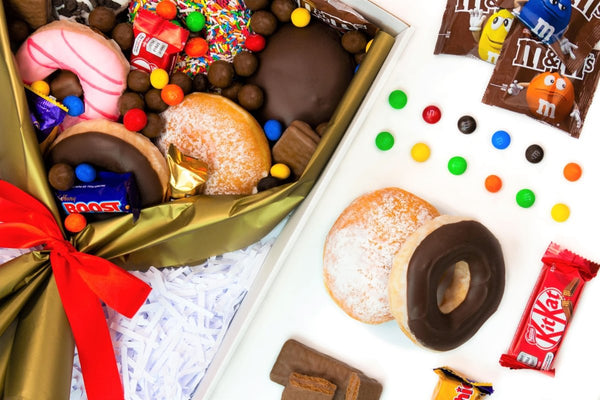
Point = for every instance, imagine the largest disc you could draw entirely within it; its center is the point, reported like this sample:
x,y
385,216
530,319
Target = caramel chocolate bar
x,y
297,357
304,387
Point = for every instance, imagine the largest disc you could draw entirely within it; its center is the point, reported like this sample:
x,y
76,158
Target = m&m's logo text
x,y
483,5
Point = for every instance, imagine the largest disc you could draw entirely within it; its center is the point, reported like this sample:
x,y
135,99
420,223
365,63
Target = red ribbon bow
x,y
83,281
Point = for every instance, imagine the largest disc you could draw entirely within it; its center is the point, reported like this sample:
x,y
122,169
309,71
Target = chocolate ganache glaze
x,y
112,154
303,72
467,241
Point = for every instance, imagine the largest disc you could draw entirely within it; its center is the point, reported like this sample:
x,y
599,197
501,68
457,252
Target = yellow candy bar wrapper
x,y
188,174
453,386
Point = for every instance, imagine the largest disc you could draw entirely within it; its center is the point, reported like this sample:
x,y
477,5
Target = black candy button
x,y
534,153
466,124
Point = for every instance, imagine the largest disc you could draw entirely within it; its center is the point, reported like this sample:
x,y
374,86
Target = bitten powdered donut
x,y
217,131
77,48
360,247
108,145
446,281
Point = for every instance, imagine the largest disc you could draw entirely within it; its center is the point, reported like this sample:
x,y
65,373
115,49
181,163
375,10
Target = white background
x,y
298,306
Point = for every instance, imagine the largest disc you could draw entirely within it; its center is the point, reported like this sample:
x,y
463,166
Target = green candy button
x,y
457,165
384,141
525,198
397,99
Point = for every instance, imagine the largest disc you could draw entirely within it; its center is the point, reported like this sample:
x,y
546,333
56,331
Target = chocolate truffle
x,y
103,19
200,83
182,80
232,91
61,176
255,5
138,81
304,73
123,35
250,97
282,9
129,100
354,42
263,22
220,73
154,101
245,63
65,84
154,126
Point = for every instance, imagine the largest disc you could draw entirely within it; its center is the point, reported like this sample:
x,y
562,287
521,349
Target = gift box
x,y
36,338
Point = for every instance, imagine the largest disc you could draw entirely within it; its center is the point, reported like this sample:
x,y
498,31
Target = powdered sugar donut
x,y
217,131
77,48
360,247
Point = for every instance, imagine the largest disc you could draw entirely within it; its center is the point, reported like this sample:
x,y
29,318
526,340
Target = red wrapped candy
x,y
549,310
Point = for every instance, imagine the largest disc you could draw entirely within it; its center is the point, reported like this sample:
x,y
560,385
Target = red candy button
x,y
135,119
432,114
196,47
255,42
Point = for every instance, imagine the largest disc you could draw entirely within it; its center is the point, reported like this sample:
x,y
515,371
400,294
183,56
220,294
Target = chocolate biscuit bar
x,y
304,387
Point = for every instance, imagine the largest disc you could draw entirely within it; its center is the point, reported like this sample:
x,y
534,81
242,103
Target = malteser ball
x,y
138,81
354,42
245,63
154,126
231,92
129,100
182,80
200,83
65,84
61,176
123,35
250,97
154,101
282,9
255,5
103,19
263,22
220,73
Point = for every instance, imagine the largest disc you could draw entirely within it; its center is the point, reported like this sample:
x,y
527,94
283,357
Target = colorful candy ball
x,y
166,9
85,172
195,21
493,183
172,94
280,171
560,212
300,17
159,78
273,129
196,47
41,87
135,119
74,105
397,99
420,152
501,140
384,141
457,165
75,222
525,198
432,114
255,42
572,172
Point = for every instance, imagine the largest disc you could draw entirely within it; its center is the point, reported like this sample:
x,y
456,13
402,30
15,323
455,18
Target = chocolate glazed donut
x,y
446,244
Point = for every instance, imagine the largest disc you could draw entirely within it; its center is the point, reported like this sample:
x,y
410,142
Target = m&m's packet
x,y
549,310
452,385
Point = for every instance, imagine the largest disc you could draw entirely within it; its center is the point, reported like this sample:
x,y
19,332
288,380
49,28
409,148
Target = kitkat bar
x,y
549,310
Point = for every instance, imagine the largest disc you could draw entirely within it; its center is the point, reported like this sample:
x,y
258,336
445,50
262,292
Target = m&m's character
x,y
491,38
550,97
547,19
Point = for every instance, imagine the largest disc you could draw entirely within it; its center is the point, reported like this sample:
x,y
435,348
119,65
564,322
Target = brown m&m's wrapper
x,y
452,386
530,78
188,174
549,310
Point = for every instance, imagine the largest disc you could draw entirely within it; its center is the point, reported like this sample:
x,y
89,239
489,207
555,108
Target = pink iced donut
x,y
98,62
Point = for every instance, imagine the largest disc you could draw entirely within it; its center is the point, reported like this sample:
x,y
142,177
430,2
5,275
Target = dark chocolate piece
x,y
103,19
66,83
112,154
282,9
250,97
182,80
467,241
220,73
154,101
263,22
138,81
304,387
304,73
123,35
354,42
129,100
61,176
466,124
296,146
245,63
297,357
534,153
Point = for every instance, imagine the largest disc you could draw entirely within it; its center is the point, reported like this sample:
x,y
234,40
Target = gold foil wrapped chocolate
x,y
188,174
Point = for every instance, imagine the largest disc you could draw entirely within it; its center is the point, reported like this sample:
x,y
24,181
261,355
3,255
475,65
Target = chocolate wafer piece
x,y
569,290
297,357
567,307
296,146
304,387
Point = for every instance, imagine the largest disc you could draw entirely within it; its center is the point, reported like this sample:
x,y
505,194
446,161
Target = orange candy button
x,y
196,47
75,222
493,183
171,94
572,171
166,9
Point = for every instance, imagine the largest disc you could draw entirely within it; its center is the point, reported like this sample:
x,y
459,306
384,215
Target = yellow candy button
x,y
159,78
41,87
560,212
300,17
420,152
280,171
368,45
